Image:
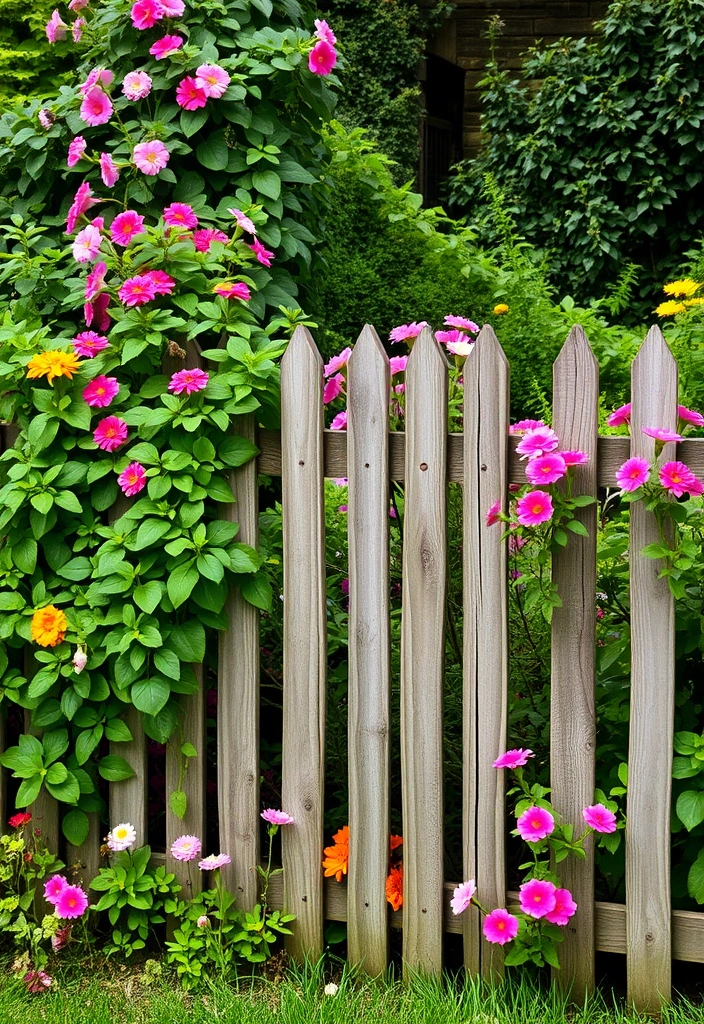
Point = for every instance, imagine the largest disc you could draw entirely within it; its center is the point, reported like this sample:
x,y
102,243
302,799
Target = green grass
x,y
122,997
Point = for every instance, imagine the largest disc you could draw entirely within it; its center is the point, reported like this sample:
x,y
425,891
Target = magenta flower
x,y
243,221
447,337
633,474
189,94
462,322
189,381
534,508
55,28
600,818
165,46
345,584
96,107
676,477
462,896
274,817
406,331
546,469
86,244
661,434
690,416
133,479
109,171
77,5
461,348
53,888
82,202
110,433
204,238
492,515
180,215
87,344
620,417
137,290
400,389
172,8
564,908
500,927
146,13
150,157
96,312
264,255
101,391
98,76
76,149
398,364
537,897
695,488
186,848
37,982
72,902
322,58
163,283
523,426
233,290
337,362
77,29
213,80
333,388
323,31
574,458
513,758
215,861
136,85
538,441
535,824
340,421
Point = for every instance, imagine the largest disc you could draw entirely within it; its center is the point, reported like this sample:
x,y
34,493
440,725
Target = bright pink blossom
x,y
98,76
189,381
333,388
165,46
233,290
523,426
538,441
337,362
101,391
110,433
462,896
462,322
276,817
633,474
398,364
676,477
151,157
322,58
535,824
407,331
172,8
146,13
513,758
96,312
76,149
56,28
203,238
574,458
492,515
95,281
180,215
400,389
323,31
136,85
546,469
72,902
53,888
137,290
534,508
500,927
620,417
340,421
215,861
564,908
445,337
163,283
82,202
695,488
662,434
186,848
77,5
77,29
96,107
126,226
264,255
600,818
86,244
690,416
189,94
87,344
243,221
109,171
133,479
213,80
537,897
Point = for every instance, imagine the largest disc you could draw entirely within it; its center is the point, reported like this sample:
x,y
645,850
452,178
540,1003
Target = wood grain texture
x,y
368,385
83,862
422,653
305,637
572,706
190,729
485,634
654,398
45,809
238,702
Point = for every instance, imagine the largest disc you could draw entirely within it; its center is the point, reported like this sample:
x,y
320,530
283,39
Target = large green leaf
x,y
76,827
695,881
114,768
214,153
180,583
150,695
188,641
268,183
690,808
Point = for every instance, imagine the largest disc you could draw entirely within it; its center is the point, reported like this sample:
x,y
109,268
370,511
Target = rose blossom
x,y
20,819
165,46
110,433
82,202
398,364
676,477
213,80
633,474
98,76
146,13
340,421
574,458
535,824
150,157
690,416
323,31
172,8
546,469
95,281
463,322
462,896
275,817
500,927
126,226
137,290
406,331
600,818
96,107
534,508
620,417
337,362
133,479
189,381
537,897
564,908
322,58
109,170
189,94
87,344
136,85
513,758
76,149
53,888
186,848
662,434
56,28
72,902
162,282
180,215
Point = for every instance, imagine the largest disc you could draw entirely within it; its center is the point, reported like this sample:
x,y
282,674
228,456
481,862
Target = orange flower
x,y
53,364
394,887
396,841
48,626
338,856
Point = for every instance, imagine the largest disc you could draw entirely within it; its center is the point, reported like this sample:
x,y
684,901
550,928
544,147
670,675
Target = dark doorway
x,y
442,85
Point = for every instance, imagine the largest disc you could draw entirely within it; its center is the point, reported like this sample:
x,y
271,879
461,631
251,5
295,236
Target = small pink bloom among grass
x,y
534,508
136,85
180,215
204,238
600,818
53,888
537,897
37,982
165,47
574,458
633,474
110,433
214,862
513,758
276,817
213,80
126,226
133,479
188,381
538,441
135,291
690,416
72,902
186,848
333,388
565,908
322,58
546,469
500,927
404,332
535,824
462,896
101,391
620,417
492,516
96,107
243,221
662,434
264,255
150,157
76,149
233,290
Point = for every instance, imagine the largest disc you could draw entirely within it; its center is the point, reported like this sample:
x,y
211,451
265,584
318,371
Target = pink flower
x,y
79,661
538,441
500,927
322,58
55,28
203,921
189,94
345,584
633,474
87,344
98,76
323,31
146,13
340,421
564,908
492,515
600,818
661,434
264,255
444,337
163,283
275,817
215,861
172,8
406,331
333,387
133,479
110,433
675,477
60,939
513,758
86,244
461,348
537,897
243,221
95,281
151,157
397,364
523,426
72,902
126,226
180,215
76,149
77,29
165,46
546,469
535,824
343,508
620,417
96,107
534,508
233,290
53,888
109,170
136,85
462,322
337,362
37,982
204,237
77,5
137,290
574,458
213,80
695,488
101,391
82,202
462,896
189,381
690,416
186,848
400,389
97,312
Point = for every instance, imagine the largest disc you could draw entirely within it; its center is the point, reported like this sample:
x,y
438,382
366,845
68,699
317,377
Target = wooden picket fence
x,y
425,458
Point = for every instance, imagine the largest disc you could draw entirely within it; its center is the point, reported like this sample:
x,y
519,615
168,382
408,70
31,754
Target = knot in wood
x,y
649,937
308,805
423,466
301,462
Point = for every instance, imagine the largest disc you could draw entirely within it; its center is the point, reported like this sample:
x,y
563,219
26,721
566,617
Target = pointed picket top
x,y
653,393
577,349
487,342
368,344
302,346
426,347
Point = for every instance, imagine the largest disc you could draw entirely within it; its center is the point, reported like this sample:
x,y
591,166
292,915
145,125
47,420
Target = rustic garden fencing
x,y
425,458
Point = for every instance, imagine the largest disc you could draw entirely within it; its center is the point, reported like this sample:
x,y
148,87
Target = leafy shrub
x,y
29,65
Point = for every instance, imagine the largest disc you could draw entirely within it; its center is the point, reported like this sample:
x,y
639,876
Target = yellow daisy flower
x,y
53,364
685,287
670,307
501,308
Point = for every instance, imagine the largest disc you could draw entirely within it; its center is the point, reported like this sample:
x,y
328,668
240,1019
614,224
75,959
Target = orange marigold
x,y
396,841
337,857
394,887
53,364
48,626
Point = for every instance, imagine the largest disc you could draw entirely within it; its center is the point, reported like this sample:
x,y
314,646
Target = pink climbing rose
x,y
180,215
492,516
151,157
690,416
398,364
56,28
546,469
76,149
101,391
109,171
86,244
243,221
95,281
189,94
462,896
337,362
126,226
340,421
96,107
574,458
334,387
535,824
322,58
564,908
620,417
662,434
534,508
146,13
165,47
188,381
323,31
136,85
213,80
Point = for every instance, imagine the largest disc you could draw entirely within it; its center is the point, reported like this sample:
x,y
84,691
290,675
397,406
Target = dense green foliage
x,y
29,64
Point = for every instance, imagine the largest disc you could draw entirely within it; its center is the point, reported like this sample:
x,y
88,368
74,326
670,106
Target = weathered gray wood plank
x,y
190,729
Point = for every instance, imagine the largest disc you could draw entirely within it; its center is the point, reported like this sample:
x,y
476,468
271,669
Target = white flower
x,y
121,837
331,989
203,921
80,660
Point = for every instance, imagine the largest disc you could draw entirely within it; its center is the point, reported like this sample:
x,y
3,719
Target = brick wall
x,y
463,41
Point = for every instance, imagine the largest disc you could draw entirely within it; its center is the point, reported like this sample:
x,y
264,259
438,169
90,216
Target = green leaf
x,y
257,590
118,731
11,601
28,791
214,153
69,501
236,451
76,569
268,183
42,502
244,558
86,743
167,663
150,532
219,489
67,792
188,641
695,879
76,827
24,555
180,583
188,750
178,802
690,808
114,768
656,551
192,121
580,529
150,695
54,744
147,596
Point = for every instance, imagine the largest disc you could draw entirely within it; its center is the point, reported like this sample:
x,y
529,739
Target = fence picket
x,y
83,862
368,688
485,635
304,639
648,914
423,654
572,710
190,729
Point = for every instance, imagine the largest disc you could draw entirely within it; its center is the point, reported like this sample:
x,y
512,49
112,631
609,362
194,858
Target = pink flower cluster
x,y
146,13
675,477
69,901
323,56
457,340
210,82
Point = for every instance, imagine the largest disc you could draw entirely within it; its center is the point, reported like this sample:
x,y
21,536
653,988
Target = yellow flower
x,y
669,308
501,308
694,302
48,626
684,287
53,364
